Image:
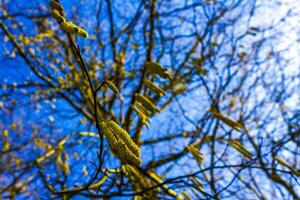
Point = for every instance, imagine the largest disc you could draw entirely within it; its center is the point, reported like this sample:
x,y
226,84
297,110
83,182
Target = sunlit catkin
x,y
120,142
229,122
56,6
139,181
113,141
158,180
196,153
83,33
57,16
156,69
185,195
112,86
132,174
69,27
146,103
66,26
142,109
124,136
126,155
142,116
154,88
237,145
282,162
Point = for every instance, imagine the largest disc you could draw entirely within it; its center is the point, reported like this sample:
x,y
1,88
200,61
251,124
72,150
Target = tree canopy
x,y
149,99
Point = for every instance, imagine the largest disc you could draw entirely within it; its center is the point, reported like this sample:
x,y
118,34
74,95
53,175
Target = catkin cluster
x,y
144,108
67,26
120,142
140,182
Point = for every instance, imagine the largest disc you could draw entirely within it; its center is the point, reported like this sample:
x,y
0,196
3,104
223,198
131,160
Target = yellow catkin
x,y
71,28
59,161
74,28
123,168
66,168
155,177
167,74
131,173
47,155
171,192
140,182
146,103
197,184
56,6
67,26
227,121
60,147
135,179
112,86
126,155
154,88
57,16
156,69
5,133
120,132
113,142
185,195
83,33
236,144
120,142
142,109
196,153
6,144
179,89
142,116
88,134
282,162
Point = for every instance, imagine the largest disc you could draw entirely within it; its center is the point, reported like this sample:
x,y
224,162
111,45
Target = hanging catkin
x,y
121,143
